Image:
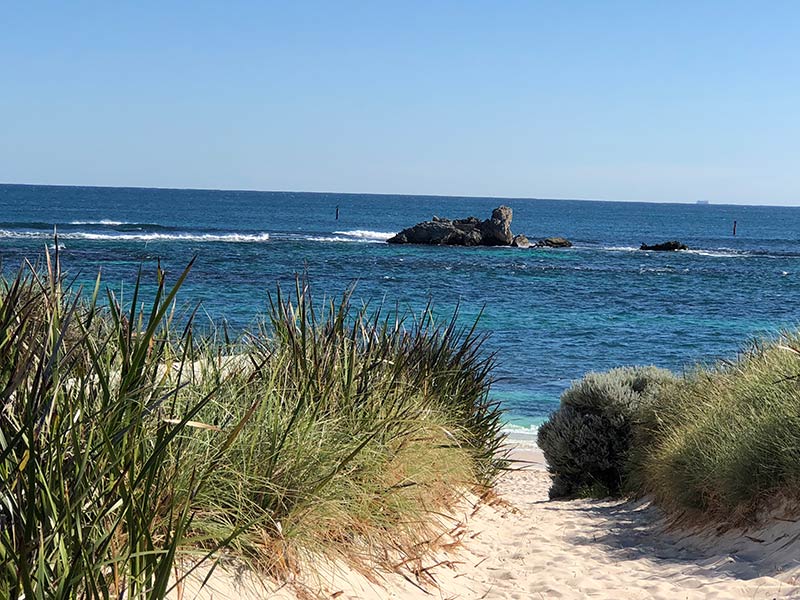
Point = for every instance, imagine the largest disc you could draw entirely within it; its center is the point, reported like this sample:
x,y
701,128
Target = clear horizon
x,y
619,102
409,195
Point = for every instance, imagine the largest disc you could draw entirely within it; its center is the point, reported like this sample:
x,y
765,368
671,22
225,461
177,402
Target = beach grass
x,y
131,446
87,462
355,427
725,440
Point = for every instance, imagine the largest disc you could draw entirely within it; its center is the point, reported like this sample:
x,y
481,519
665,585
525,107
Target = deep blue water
x,y
552,314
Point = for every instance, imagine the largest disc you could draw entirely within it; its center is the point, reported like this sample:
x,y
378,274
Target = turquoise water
x,y
552,315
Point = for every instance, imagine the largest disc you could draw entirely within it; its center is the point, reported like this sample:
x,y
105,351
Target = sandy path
x,y
611,549
580,549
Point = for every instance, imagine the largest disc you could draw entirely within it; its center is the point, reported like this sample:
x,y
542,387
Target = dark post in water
x,y
337,215
734,224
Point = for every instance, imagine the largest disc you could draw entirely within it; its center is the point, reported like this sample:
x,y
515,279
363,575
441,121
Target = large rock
x,y
460,232
554,242
497,230
671,246
441,232
521,241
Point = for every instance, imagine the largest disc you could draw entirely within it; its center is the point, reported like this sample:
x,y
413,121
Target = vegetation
x,y
129,447
587,441
720,442
727,439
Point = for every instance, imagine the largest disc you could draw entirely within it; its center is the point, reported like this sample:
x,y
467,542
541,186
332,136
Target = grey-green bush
x,y
587,441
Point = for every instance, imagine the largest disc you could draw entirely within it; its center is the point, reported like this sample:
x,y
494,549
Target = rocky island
x,y
670,246
495,231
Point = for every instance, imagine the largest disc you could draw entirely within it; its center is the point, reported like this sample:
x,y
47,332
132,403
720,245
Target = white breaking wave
x,y
519,435
100,222
363,236
142,237
323,238
366,235
621,248
717,253
662,270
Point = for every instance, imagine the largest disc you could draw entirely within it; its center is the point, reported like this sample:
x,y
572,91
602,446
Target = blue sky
x,y
662,101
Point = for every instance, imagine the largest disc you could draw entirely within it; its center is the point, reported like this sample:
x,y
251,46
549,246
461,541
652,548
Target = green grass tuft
x,y
128,446
727,438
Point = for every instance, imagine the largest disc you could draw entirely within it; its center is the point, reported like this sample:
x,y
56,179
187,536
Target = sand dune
x,y
529,547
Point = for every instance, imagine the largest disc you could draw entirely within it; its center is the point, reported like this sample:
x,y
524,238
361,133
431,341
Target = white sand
x,y
534,548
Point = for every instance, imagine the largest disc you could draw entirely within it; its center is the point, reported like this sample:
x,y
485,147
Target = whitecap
x,y
620,248
107,222
720,253
142,237
366,235
520,435
327,238
657,270
357,235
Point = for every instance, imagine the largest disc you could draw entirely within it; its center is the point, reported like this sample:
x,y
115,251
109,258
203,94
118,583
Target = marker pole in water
x,y
337,214
734,229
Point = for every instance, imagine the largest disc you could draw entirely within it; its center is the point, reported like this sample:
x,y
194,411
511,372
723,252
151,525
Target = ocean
x,y
551,315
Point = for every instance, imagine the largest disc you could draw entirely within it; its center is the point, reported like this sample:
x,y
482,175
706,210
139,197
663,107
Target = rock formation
x,y
461,232
670,246
521,241
495,231
554,242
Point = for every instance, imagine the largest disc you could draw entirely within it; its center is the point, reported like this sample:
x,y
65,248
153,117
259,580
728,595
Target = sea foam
x,y
520,435
620,248
142,237
107,222
719,253
366,235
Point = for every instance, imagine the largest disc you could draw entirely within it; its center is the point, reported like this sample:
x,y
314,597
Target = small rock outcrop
x,y
554,242
495,231
670,246
521,241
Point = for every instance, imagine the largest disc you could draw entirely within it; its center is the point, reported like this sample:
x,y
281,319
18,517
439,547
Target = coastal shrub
x,y
727,438
587,441
131,450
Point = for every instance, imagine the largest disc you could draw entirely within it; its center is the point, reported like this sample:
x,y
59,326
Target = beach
x,y
346,475
520,545
399,301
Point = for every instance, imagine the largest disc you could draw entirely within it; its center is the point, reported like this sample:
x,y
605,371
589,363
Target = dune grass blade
x,y
88,507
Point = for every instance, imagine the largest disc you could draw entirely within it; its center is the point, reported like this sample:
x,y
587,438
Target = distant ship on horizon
x,y
703,202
